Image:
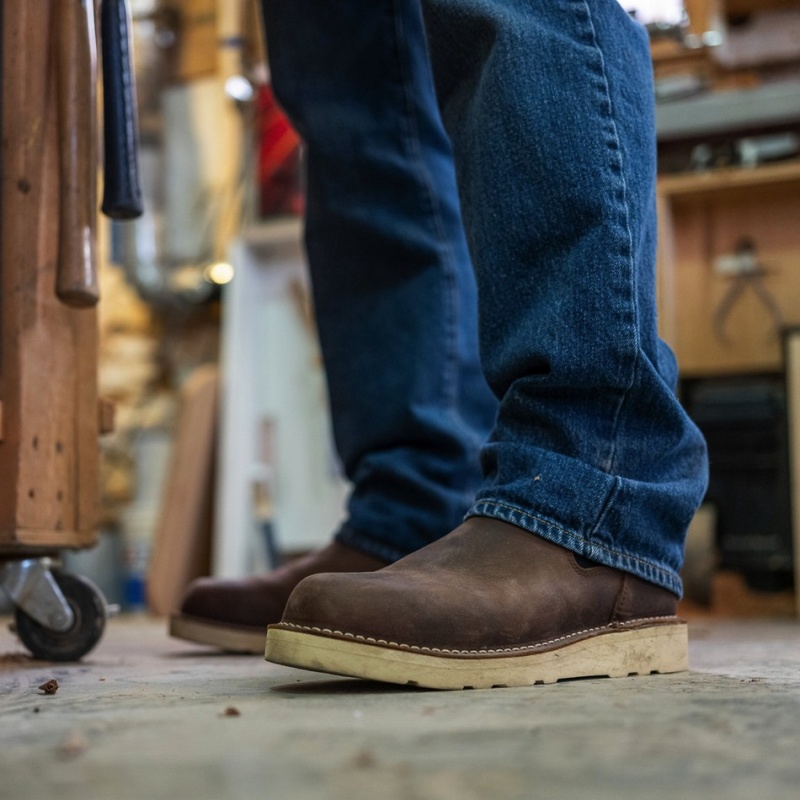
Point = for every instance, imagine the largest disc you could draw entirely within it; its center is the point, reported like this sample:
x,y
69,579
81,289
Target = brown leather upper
x,y
487,585
259,601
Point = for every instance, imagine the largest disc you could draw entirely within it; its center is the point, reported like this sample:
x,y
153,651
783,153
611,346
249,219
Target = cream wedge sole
x,y
232,640
612,652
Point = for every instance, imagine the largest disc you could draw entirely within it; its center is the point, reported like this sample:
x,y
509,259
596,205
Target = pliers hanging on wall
x,y
748,273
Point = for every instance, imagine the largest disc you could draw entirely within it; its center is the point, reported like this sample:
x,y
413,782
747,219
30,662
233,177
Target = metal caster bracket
x,y
31,586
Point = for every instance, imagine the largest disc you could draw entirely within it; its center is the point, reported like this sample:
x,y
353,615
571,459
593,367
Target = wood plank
x,y
182,543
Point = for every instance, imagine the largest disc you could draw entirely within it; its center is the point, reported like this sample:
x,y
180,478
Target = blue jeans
x,y
394,290
549,109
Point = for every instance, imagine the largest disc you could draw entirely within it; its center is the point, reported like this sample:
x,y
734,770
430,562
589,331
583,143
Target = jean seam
x,y
625,394
604,509
413,139
668,577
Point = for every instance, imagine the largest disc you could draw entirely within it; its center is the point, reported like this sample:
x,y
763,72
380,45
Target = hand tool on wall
x,y
76,71
122,195
746,271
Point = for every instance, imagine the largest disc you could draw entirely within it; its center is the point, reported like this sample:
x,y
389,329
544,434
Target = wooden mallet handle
x,y
76,68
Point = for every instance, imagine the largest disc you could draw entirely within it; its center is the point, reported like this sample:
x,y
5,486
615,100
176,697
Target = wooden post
x,y
48,350
792,361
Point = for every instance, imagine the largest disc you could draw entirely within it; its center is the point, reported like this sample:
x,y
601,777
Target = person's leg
x,y
394,294
554,134
549,104
393,285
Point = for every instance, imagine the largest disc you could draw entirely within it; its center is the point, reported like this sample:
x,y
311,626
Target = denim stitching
x,y
604,509
630,255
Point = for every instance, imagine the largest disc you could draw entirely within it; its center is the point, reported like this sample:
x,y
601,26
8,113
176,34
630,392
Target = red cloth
x,y
279,156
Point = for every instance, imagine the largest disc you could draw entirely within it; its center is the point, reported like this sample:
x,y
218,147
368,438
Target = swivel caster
x,y
59,617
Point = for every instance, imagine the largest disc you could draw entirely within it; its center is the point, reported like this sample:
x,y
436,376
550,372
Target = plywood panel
x,y
698,228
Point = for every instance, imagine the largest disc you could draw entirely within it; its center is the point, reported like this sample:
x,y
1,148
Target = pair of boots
x,y
487,605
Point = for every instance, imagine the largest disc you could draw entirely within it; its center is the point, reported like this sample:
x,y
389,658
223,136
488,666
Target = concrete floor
x,y
144,717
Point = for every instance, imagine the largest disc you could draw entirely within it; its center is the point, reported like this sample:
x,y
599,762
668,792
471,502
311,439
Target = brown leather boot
x,y
487,605
234,614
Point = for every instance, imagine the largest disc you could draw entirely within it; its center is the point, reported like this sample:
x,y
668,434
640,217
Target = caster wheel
x,y
89,607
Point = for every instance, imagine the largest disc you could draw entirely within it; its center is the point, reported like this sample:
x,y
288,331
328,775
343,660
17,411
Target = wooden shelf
x,y
696,184
739,7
